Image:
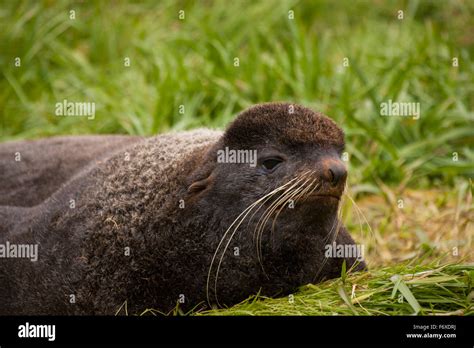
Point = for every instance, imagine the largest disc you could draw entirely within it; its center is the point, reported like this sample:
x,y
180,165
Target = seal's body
x,y
32,170
163,222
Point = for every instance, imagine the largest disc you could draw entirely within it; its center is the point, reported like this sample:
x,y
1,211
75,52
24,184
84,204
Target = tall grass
x,y
190,62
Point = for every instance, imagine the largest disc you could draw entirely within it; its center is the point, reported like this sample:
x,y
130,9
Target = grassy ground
x,y
397,290
409,178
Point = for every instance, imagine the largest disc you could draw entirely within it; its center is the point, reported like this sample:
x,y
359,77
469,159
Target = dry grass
x,y
432,224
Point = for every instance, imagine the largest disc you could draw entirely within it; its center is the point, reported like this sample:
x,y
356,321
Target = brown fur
x,y
135,204
46,164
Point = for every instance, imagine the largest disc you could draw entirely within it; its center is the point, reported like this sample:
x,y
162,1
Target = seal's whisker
x,y
309,190
263,214
246,212
277,202
289,188
248,209
340,219
359,211
295,199
336,227
337,222
280,202
300,177
316,187
264,201
242,217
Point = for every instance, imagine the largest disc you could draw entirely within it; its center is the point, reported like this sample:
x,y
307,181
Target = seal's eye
x,y
271,163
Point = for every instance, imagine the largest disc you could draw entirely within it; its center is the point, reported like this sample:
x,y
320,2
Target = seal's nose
x,y
334,171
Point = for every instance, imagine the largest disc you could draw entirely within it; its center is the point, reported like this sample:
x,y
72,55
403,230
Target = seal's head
x,y
277,174
292,141
270,145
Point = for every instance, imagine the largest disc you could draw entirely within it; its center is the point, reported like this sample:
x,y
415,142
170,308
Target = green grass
x,y
190,62
424,290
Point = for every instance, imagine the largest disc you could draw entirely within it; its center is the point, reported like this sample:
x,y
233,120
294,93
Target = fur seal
x,y
174,225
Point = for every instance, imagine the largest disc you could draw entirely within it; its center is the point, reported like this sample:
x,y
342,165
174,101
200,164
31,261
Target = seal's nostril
x,y
332,177
337,173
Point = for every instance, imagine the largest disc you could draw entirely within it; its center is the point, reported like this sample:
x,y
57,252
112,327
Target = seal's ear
x,y
200,185
204,176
